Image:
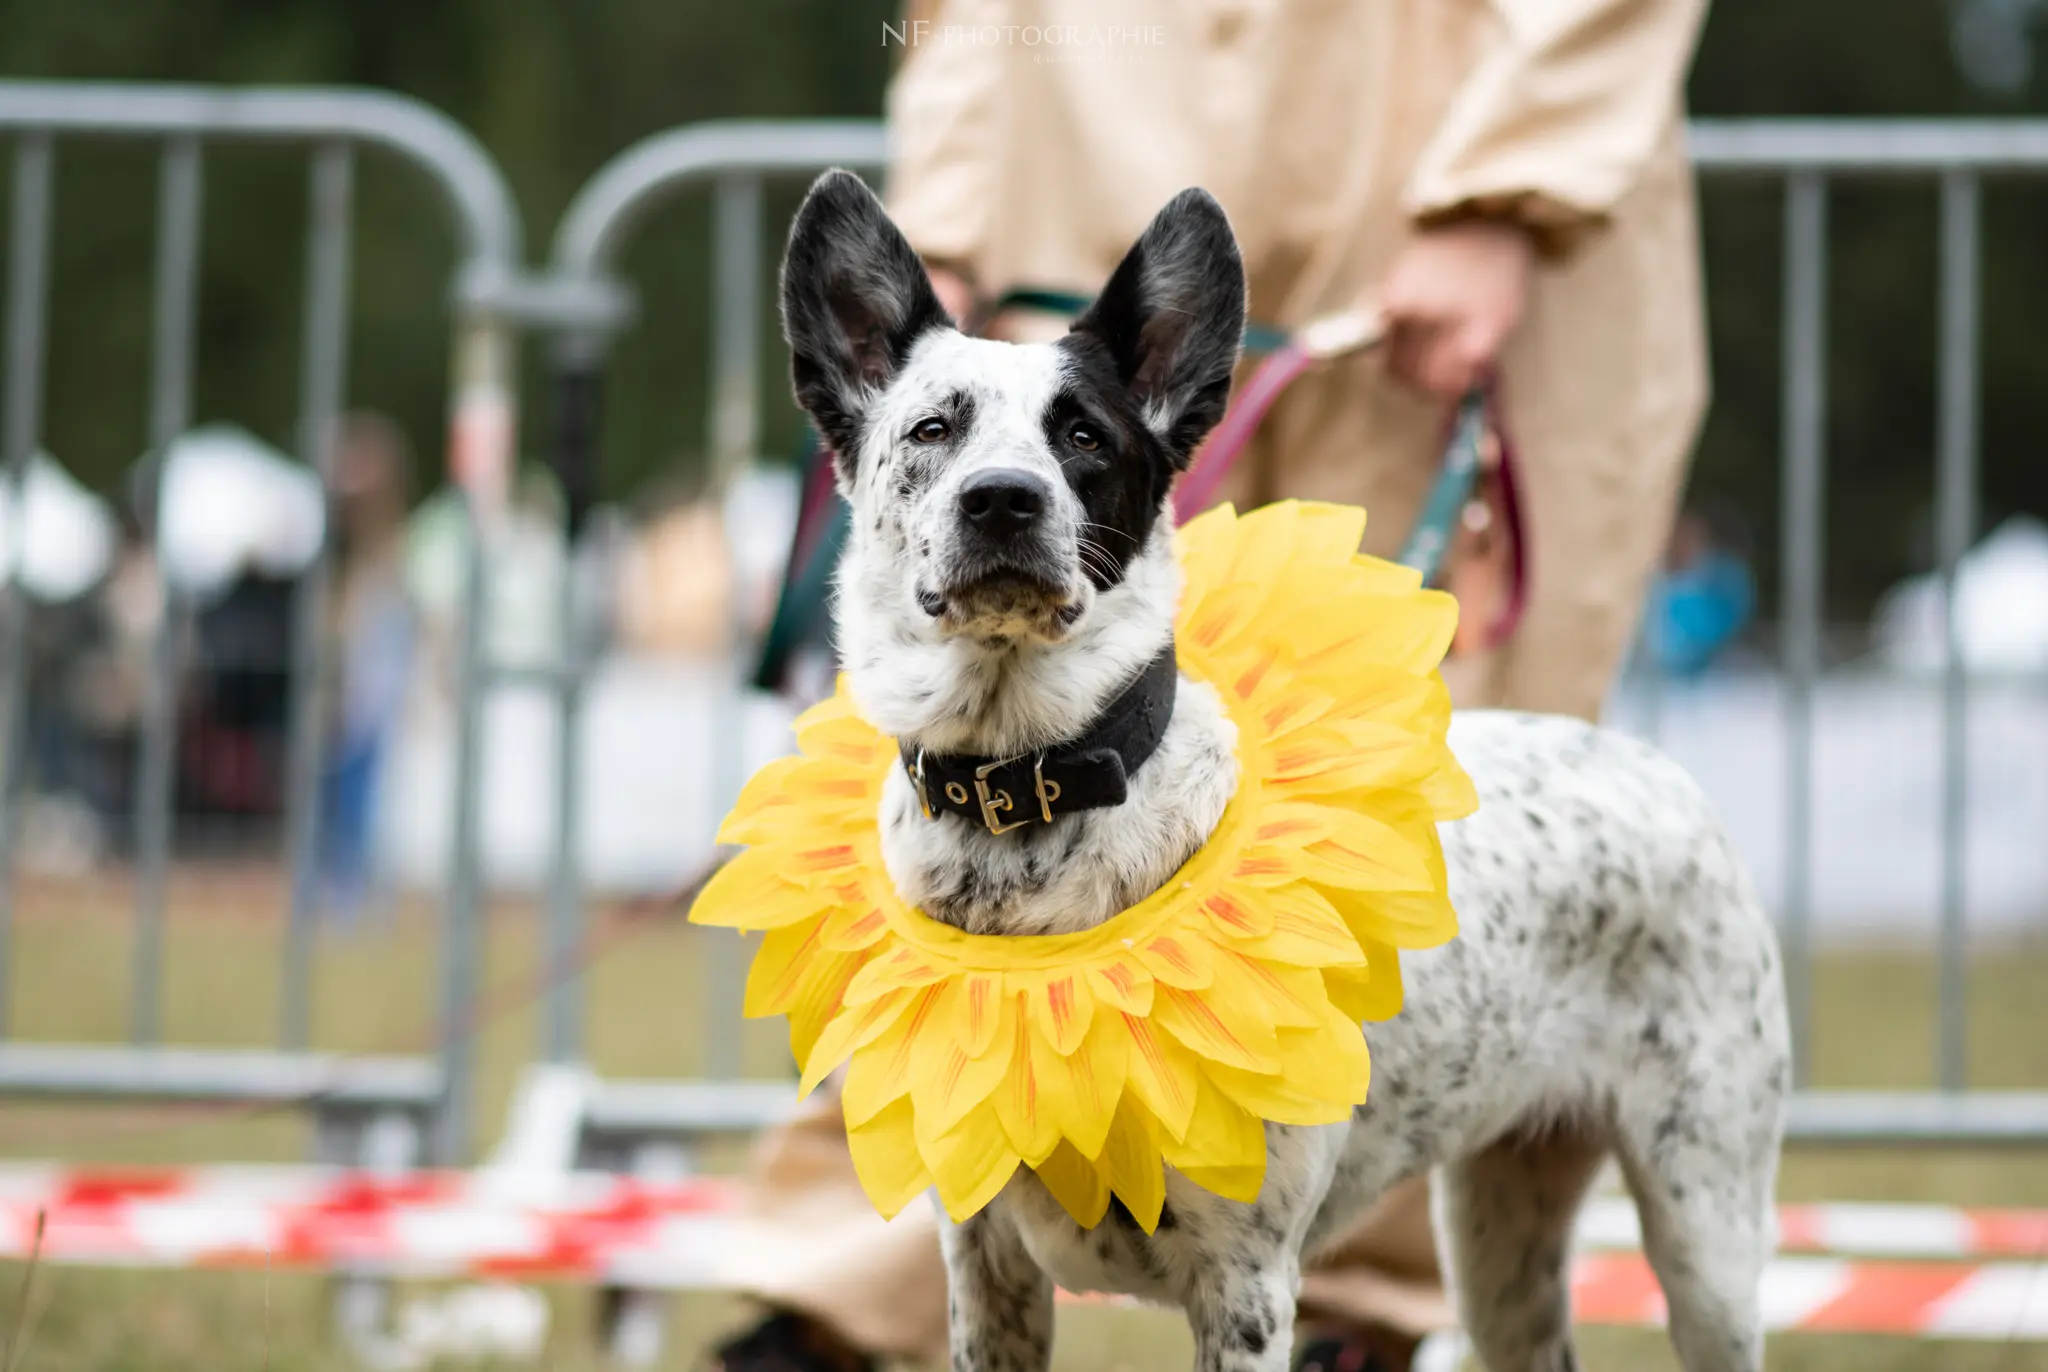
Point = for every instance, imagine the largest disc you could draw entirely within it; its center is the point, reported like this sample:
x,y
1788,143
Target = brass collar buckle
x,y
994,803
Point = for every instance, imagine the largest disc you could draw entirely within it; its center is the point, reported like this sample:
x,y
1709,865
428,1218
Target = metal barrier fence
x,y
362,1107
1807,155
582,307
1804,155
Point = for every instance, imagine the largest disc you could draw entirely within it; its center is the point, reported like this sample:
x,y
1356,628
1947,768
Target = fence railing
x,y
184,122
1805,156
582,307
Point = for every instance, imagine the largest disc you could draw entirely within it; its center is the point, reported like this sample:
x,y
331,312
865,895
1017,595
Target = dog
x,y
1615,990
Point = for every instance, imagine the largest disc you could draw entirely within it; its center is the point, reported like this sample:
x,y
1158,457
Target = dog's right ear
x,y
1171,317
855,299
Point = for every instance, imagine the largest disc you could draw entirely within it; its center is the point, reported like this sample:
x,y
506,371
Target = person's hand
x,y
954,293
1451,301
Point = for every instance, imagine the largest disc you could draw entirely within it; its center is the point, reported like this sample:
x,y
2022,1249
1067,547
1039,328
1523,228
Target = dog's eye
x,y
1084,437
930,431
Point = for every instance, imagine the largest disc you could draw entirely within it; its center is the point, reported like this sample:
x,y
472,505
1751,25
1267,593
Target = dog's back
x,y
1614,990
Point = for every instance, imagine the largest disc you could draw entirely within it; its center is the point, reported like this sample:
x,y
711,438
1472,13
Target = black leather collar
x,y
1091,772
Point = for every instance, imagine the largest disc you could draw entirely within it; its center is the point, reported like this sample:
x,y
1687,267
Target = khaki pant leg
x,y
810,1240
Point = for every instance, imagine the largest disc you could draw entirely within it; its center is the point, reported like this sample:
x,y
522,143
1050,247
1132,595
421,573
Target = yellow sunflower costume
x,y
1229,997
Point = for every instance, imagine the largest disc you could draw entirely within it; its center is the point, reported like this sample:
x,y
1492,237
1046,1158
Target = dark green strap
x,y
1258,338
1431,537
800,608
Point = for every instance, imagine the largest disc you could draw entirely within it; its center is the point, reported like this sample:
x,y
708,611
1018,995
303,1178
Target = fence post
x,y
323,373
578,388
1956,518
480,431
177,268
28,286
734,438
1802,541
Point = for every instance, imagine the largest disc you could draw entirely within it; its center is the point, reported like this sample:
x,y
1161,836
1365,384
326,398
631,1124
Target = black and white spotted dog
x,y
1615,990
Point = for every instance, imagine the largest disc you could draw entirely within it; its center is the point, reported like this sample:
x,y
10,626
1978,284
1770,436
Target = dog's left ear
x,y
1172,318
854,300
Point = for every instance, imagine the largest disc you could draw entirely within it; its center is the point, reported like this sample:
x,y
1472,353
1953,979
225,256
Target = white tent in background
x,y
68,533
233,503
2001,607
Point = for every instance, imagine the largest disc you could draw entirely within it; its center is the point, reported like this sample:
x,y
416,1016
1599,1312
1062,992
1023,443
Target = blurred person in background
x,y
370,649
1506,183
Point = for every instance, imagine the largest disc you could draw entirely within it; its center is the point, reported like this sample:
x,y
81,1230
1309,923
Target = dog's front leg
x,y
999,1301
1243,1313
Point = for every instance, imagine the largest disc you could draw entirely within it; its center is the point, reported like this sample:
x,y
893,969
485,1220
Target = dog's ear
x,y
1172,318
854,300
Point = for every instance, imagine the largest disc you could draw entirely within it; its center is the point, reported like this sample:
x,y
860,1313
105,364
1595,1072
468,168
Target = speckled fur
x,y
1615,990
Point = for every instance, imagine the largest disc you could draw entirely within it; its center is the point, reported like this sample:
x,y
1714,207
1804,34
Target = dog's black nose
x,y
1002,501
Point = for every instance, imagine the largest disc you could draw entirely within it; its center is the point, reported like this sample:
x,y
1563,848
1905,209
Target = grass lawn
x,y
374,992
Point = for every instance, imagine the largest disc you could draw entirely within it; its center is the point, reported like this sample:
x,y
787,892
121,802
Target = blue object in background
x,y
1697,610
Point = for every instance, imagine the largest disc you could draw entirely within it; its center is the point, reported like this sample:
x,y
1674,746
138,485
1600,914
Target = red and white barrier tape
x,y
628,1232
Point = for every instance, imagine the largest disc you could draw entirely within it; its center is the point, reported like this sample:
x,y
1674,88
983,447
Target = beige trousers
x,y
1599,507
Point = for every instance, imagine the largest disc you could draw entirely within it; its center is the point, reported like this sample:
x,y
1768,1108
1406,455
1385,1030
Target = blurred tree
x,y
553,87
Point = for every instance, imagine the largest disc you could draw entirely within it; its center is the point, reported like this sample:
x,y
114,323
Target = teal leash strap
x,y
1431,537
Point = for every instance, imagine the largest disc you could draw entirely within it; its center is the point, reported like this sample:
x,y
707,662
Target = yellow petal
x,y
1307,931
1122,984
1076,1184
880,1073
1278,1099
1130,1163
1223,614
886,1160
1327,533
764,802
1080,1090
1448,791
1285,997
1409,632
1367,854
1162,1073
1033,1130
819,1000
1239,915
1401,919
970,1164
1370,993
1221,1134
1382,577
972,1011
852,929
786,958
1343,1063
1064,1008
849,1030
749,893
1352,756
946,1081
1220,1028
903,967
1268,542
1179,959
822,863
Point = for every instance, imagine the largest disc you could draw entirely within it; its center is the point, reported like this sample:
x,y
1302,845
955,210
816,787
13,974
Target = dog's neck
x,y
961,696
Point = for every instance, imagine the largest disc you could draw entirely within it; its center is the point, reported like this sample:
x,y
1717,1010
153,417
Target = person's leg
x,y
842,1286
